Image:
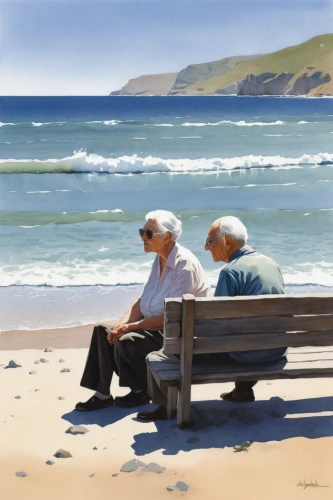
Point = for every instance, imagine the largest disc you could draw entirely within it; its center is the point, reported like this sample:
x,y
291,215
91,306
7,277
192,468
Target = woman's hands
x,y
119,330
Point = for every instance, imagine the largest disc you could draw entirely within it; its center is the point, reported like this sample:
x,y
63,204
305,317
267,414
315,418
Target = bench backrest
x,y
223,324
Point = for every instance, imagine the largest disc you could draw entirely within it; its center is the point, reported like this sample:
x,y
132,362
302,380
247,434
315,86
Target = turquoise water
x,y
78,175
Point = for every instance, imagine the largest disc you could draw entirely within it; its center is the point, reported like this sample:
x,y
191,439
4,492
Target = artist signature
x,y
312,484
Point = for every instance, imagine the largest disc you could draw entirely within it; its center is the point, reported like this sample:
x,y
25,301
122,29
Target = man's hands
x,y
119,330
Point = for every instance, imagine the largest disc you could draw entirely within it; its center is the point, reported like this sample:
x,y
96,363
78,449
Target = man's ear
x,y
168,235
229,241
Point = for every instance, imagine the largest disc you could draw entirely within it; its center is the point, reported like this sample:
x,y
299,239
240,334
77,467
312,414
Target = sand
x,y
290,427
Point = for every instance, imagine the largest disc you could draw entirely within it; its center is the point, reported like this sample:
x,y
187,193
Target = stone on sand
x,y
17,397
153,467
60,398
33,372
182,486
49,349
193,439
43,360
65,370
77,429
62,454
21,474
14,364
61,361
49,462
132,465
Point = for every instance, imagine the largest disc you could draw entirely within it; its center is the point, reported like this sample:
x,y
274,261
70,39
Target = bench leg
x,y
184,408
149,381
172,401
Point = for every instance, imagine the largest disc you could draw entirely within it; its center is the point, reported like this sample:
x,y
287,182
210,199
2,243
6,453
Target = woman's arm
x,y
133,314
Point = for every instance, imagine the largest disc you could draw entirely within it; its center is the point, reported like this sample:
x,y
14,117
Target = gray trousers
x,y
126,358
157,360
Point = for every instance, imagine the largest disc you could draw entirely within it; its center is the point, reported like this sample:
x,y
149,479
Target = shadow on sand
x,y
217,424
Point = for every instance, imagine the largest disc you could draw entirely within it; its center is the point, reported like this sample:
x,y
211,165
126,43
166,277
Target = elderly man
x,y
246,272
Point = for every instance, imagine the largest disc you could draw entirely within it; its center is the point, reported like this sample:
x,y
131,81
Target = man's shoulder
x,y
255,258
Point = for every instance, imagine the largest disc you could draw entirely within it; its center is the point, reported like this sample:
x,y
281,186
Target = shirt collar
x,y
245,250
171,260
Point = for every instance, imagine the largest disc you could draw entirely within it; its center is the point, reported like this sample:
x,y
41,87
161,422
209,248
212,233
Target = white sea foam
x,y
106,272
93,164
241,123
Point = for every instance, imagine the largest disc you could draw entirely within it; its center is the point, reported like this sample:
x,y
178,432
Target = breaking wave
x,y
82,162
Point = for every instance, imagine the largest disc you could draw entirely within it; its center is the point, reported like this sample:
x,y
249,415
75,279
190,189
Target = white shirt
x,y
182,273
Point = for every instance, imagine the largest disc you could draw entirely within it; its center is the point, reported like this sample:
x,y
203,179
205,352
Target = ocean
x,y
78,174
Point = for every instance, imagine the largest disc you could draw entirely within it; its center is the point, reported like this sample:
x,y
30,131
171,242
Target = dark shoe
x,y
237,396
159,414
133,399
95,403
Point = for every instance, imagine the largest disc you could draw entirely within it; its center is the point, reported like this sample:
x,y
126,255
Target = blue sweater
x,y
251,273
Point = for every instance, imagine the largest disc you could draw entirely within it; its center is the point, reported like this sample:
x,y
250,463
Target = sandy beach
x,y
289,425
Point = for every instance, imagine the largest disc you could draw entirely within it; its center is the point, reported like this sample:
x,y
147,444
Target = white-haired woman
x,y
122,348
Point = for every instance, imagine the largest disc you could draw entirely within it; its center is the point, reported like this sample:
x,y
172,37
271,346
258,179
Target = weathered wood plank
x,y
269,324
173,309
249,342
229,373
263,305
172,400
184,404
172,329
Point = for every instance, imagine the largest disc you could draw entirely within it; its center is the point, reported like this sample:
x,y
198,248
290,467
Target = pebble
x,y
132,465
36,362
153,467
193,440
14,364
95,448
62,454
61,361
114,475
17,397
181,486
49,462
43,360
77,429
49,349
60,398
92,475
33,372
21,474
65,370
36,390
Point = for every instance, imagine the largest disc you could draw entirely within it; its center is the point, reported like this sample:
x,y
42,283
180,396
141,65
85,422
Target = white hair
x,y
233,226
166,221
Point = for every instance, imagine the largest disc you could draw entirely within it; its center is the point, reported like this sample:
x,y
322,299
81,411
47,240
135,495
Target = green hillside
x,y
311,56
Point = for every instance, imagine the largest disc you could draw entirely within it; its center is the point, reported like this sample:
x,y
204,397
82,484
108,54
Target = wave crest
x,y
83,162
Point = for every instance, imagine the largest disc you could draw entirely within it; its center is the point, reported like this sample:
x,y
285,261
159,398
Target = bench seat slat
x,y
299,365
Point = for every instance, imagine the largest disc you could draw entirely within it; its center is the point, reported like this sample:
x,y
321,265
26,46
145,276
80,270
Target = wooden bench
x,y
223,324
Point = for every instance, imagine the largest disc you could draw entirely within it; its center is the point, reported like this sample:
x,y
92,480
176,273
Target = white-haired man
x,y
122,348
246,272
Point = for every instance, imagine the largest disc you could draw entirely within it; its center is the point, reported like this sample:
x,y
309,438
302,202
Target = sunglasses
x,y
148,232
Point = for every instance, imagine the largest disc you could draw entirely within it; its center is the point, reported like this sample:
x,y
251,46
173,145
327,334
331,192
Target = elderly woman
x,y
123,348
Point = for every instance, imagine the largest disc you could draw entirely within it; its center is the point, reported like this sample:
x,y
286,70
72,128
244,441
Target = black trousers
x,y
127,358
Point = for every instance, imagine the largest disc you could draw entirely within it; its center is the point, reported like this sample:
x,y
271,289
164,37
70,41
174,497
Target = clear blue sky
x,y
81,47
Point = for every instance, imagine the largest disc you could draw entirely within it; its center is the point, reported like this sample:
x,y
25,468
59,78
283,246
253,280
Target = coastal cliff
x,y
148,85
304,69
